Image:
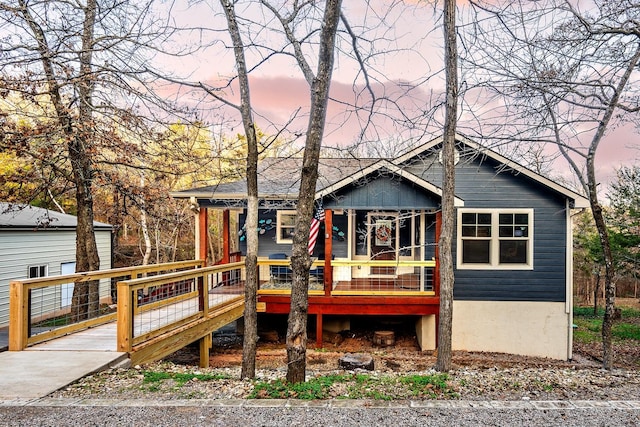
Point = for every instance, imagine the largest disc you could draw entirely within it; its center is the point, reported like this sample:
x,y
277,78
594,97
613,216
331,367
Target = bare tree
x,y
300,261
80,66
251,261
443,362
74,127
567,76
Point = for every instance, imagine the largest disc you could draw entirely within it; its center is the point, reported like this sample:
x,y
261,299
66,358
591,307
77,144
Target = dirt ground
x,y
475,375
403,356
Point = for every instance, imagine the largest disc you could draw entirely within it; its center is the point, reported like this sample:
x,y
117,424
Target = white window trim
x,y
495,241
279,215
38,266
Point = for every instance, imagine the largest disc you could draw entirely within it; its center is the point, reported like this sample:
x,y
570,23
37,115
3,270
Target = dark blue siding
x,y
383,192
267,243
480,185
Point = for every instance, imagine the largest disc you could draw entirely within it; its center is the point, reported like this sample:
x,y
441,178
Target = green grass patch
x,y
154,378
315,388
626,331
585,311
54,322
357,386
432,386
589,327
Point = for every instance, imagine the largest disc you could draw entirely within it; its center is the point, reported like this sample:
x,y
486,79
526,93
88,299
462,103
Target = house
x,y
512,244
36,242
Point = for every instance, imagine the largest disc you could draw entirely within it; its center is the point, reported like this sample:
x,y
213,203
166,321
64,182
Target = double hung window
x,y
498,239
286,223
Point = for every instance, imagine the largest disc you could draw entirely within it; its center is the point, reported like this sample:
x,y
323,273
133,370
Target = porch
x,y
365,263
414,293
416,278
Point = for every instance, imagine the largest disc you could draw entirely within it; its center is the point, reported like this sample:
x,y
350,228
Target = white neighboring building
x,y
36,242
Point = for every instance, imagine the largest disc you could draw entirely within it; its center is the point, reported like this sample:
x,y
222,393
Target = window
x,y
286,223
498,239
36,271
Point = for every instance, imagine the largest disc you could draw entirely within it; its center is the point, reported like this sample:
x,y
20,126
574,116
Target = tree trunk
x,y
87,258
250,343
85,300
145,229
443,362
609,286
249,346
596,291
300,261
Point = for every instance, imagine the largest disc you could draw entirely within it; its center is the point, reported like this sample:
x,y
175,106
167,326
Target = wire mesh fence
x,y
360,276
46,307
165,302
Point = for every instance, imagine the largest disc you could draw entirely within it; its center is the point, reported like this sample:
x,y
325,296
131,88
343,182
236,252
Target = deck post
x,y
203,234
328,252
203,294
226,237
318,331
205,345
125,315
18,316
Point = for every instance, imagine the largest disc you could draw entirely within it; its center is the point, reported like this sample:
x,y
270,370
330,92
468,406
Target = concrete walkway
x,y
35,374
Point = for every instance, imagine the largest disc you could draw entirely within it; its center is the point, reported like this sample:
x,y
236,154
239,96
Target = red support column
x,y
328,251
203,230
226,236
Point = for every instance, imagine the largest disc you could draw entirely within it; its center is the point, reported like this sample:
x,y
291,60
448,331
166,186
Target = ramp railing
x,y
45,308
153,328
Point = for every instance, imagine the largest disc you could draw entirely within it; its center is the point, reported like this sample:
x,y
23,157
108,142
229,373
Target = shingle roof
x,y
13,215
280,177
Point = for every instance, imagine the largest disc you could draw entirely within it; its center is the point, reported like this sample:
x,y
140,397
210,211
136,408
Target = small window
x,y
36,271
498,239
286,223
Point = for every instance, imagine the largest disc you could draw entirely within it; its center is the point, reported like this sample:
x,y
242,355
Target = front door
x,y
383,241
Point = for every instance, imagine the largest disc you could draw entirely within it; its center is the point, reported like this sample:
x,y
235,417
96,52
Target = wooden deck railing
x,y
385,277
21,313
150,330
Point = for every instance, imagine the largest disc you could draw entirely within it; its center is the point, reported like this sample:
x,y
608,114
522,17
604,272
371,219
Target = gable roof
x,y
27,217
391,167
279,178
578,200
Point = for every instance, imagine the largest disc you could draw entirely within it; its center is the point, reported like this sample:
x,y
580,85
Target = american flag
x,y
315,227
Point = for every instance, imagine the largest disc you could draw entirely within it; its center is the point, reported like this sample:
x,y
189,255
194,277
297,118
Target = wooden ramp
x,y
156,315
224,309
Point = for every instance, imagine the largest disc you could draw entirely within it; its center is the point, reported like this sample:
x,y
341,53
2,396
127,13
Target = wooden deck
x,y
392,285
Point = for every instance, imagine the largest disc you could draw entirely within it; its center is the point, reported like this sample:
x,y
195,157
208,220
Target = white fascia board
x,y
579,200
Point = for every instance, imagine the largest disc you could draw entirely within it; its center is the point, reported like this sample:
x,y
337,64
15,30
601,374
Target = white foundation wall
x,y
526,328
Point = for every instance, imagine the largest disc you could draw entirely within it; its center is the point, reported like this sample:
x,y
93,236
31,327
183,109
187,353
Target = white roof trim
x,y
579,200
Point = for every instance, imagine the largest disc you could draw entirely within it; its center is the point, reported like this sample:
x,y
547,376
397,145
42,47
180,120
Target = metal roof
x,y
21,216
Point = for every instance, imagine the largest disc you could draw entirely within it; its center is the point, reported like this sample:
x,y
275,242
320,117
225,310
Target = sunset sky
x,y
413,42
